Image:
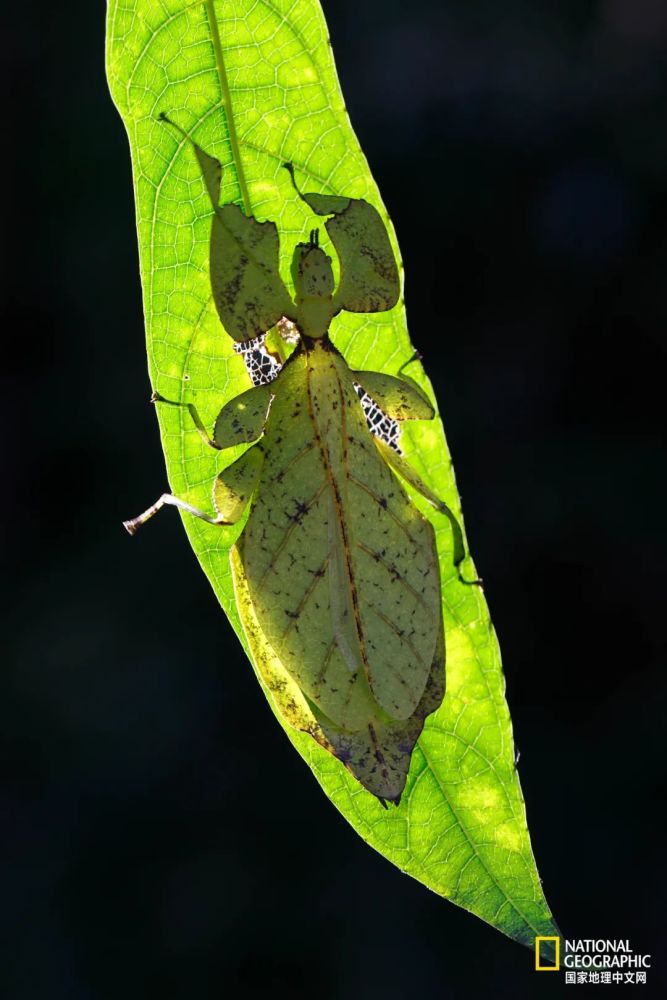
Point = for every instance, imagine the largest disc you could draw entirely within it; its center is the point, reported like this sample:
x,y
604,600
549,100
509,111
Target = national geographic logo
x,y
539,962
592,960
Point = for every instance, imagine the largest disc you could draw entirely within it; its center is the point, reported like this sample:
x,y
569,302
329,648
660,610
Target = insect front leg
x,y
249,294
232,492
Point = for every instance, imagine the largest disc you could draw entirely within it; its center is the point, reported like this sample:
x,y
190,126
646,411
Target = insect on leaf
x,y
255,87
341,569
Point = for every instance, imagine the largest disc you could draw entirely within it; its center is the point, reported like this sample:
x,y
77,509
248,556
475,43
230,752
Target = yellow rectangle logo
x,y
538,958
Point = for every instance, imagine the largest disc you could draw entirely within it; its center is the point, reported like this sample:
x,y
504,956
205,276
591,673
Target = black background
x,y
160,836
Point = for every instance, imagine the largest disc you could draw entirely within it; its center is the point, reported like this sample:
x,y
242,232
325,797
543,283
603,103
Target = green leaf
x,y
461,826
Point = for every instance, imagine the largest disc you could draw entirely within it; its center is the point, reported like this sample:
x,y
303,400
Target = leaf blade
x,y
287,105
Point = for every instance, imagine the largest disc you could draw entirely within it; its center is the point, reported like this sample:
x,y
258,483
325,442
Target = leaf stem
x,y
227,101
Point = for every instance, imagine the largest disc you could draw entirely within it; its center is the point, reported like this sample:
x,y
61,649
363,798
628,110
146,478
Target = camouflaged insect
x,y
336,571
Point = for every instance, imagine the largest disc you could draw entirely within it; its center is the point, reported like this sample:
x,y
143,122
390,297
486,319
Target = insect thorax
x,y
313,283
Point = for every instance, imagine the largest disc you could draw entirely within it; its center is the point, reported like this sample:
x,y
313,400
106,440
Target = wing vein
x,y
308,446
371,492
397,631
295,615
288,535
327,660
393,572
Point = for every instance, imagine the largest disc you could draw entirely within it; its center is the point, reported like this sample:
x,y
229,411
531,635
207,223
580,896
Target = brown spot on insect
x,y
301,509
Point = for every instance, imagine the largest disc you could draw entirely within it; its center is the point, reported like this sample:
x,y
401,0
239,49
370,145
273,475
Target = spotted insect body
x,y
336,569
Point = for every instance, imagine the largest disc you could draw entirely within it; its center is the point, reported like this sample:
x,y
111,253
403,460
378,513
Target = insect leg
x,y
196,419
232,491
167,499
399,398
405,470
242,419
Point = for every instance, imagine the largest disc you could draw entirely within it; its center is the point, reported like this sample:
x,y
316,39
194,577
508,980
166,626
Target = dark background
x,y
160,836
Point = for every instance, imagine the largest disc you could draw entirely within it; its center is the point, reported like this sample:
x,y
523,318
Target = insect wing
x,y
261,364
382,551
395,566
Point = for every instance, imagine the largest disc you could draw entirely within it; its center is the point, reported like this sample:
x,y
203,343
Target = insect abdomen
x,y
340,565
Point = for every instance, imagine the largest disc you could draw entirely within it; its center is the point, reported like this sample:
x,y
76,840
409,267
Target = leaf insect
x,y
335,566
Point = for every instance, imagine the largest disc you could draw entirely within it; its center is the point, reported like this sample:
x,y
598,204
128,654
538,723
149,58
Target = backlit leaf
x,y
461,826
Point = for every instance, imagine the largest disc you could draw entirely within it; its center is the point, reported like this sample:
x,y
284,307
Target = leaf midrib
x,y
228,106
470,841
